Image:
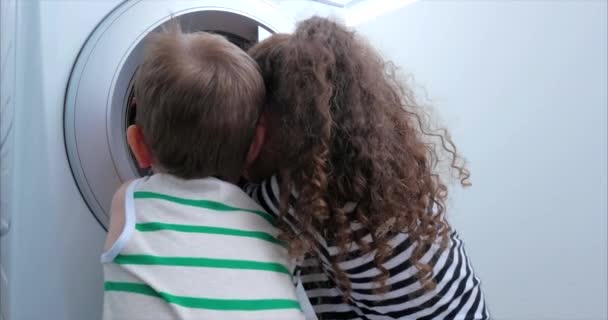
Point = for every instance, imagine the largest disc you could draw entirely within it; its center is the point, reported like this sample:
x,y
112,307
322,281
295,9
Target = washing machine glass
x,y
99,103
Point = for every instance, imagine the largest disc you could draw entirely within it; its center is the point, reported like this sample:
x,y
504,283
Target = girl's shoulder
x,y
457,293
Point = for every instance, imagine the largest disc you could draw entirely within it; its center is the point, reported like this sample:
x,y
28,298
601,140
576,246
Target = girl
x,y
351,170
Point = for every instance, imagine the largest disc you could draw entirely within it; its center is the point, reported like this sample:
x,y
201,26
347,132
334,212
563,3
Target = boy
x,y
186,242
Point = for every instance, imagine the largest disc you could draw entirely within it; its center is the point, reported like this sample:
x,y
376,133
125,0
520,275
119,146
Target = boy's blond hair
x,y
198,101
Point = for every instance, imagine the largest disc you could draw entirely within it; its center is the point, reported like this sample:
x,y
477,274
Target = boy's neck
x,y
233,180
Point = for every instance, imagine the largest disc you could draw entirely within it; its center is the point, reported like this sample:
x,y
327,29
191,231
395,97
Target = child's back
x,y
205,248
186,243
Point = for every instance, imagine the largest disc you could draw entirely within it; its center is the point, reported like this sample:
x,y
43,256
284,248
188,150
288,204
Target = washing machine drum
x,y
97,105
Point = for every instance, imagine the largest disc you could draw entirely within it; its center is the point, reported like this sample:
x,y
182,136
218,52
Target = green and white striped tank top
x,y
197,249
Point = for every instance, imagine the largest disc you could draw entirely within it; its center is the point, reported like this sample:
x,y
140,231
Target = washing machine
x,y
67,71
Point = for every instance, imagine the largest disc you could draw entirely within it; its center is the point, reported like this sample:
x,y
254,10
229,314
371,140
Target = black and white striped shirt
x,y
457,296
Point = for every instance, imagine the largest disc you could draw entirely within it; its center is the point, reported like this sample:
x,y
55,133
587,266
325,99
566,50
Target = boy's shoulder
x,y
209,189
117,216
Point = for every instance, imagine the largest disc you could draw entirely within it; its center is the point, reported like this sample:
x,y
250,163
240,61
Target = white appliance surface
x,y
50,265
8,13
54,270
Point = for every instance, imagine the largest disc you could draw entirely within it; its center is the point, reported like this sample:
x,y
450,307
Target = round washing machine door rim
x,y
98,88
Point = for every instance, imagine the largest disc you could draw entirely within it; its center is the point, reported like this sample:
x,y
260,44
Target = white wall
x,y
301,9
522,85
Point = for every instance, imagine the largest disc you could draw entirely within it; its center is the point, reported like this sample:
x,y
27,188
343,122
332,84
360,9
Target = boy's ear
x,y
258,140
135,139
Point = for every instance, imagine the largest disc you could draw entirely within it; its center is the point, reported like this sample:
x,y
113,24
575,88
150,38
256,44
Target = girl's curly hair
x,y
348,131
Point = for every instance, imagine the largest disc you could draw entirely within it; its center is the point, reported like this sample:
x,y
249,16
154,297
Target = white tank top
x,y
197,249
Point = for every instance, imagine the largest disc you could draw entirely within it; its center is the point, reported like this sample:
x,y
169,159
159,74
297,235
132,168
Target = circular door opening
x,y
98,106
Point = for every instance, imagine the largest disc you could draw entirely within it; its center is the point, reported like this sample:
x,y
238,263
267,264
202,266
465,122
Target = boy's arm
x,y
117,216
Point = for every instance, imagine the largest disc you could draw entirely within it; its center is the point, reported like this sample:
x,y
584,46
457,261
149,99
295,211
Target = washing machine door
x,y
97,104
